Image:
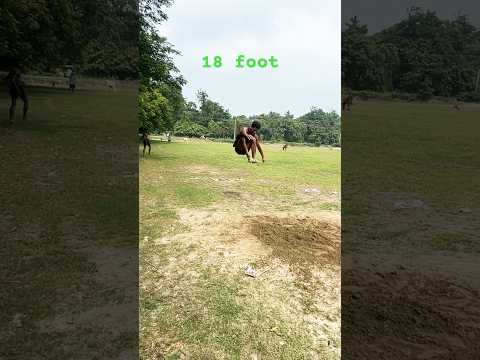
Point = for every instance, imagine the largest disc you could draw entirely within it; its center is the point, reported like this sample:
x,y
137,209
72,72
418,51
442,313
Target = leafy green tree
x,y
186,128
155,111
160,79
421,54
211,110
98,36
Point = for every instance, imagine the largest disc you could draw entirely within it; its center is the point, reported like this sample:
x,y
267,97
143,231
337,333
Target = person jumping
x,y
247,141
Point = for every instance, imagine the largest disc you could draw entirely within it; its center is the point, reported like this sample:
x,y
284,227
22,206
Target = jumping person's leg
x,y
245,147
253,147
149,148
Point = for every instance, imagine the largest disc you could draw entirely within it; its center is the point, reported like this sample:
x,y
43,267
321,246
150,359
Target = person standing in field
x,y
72,80
248,141
16,88
146,142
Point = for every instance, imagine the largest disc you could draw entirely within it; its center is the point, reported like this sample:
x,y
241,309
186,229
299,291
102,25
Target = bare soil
x,y
417,315
300,242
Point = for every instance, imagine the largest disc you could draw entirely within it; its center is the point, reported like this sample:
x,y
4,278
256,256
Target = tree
x,y
211,110
155,111
98,36
421,54
160,79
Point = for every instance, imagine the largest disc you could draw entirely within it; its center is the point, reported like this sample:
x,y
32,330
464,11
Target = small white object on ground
x,y
249,271
412,204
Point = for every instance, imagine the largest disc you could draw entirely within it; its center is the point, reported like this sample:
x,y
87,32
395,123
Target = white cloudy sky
x,y
303,34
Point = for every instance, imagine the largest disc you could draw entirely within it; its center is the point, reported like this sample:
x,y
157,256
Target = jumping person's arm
x,y
243,131
259,147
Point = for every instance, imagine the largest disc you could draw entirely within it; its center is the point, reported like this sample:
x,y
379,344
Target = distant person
x,y
347,101
247,141
72,80
111,85
16,88
456,105
146,142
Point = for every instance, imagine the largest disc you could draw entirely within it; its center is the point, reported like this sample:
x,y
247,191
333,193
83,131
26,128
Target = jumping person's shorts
x,y
240,150
238,145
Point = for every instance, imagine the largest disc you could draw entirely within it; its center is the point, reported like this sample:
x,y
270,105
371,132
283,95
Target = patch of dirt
x,y
416,315
232,194
224,237
201,169
301,242
308,193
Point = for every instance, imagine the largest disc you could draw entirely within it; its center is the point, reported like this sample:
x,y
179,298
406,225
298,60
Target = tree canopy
x,y
421,54
210,119
98,36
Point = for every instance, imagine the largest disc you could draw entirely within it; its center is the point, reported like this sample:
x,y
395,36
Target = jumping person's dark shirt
x,y
250,131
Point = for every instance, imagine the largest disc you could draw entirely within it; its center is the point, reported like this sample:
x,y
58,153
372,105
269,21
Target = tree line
x,y
212,120
421,54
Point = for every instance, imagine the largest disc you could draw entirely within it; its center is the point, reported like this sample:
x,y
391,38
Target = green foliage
x,y
211,111
187,128
212,120
155,63
421,54
98,36
321,128
161,103
155,110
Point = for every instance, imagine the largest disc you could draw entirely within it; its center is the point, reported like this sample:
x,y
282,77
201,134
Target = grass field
x,y
68,219
410,225
205,215
402,152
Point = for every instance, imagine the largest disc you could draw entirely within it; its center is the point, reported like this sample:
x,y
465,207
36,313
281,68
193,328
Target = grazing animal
x,y
285,147
347,101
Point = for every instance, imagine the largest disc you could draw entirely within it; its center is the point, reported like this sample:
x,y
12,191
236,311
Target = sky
x,y
379,14
304,36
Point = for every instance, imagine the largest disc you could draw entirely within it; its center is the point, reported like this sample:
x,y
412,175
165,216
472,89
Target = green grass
x,y
66,190
398,151
220,323
299,166
200,311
